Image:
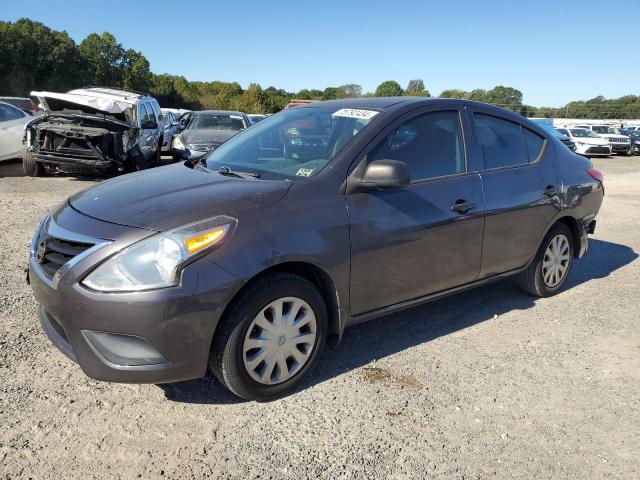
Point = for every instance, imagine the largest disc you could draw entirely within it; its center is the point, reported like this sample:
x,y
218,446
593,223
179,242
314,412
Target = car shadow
x,y
11,168
384,336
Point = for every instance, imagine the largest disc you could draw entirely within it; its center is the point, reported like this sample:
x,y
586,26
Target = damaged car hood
x,y
167,197
83,102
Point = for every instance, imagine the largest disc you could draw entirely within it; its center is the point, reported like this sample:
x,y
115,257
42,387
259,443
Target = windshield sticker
x,y
304,172
355,113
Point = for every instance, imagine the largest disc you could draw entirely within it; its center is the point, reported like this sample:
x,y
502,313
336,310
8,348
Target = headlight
x,y
156,262
177,143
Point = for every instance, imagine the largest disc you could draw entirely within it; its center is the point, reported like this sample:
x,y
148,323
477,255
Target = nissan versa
x,y
314,219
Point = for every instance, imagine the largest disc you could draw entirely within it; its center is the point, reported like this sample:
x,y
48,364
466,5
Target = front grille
x,y
599,150
618,140
52,253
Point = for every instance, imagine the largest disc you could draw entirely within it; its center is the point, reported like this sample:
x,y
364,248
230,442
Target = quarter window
x,y
534,143
501,141
431,145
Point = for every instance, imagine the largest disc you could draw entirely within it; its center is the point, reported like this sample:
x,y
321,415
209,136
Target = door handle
x,y
551,191
462,206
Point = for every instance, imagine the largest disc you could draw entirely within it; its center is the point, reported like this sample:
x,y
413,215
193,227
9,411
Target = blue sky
x,y
552,51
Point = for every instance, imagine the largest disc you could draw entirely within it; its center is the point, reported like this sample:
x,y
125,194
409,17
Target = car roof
x,y
386,103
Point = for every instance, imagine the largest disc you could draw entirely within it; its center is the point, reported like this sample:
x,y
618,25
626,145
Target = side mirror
x,y
386,174
175,124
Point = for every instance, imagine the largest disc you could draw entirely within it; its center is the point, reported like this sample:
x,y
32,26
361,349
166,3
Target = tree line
x,y
35,57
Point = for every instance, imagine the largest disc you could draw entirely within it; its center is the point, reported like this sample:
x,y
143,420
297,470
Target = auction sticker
x,y
304,172
355,113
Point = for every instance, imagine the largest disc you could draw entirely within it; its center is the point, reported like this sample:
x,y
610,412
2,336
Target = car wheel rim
x,y
279,341
555,263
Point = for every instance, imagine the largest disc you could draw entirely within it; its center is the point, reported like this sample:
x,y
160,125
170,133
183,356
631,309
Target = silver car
x,y
12,122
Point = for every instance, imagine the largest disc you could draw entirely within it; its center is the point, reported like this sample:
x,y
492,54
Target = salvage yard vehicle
x,y
634,135
619,143
206,131
588,143
94,130
246,261
256,117
12,122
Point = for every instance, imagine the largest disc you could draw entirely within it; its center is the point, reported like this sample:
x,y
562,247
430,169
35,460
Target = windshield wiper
x,y
231,173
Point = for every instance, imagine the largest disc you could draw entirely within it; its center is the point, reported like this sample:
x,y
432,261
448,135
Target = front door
x,y
426,237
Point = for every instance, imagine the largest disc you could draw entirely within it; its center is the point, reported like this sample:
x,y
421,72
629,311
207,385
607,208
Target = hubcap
x,y
279,340
556,261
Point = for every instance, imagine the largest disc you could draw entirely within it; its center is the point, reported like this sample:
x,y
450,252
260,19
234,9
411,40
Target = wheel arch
x,y
314,274
572,224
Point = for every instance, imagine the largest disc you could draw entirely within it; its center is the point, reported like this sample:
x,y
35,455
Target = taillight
x,y
595,174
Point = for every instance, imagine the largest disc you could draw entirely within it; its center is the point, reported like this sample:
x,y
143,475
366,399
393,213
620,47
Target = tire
x,y
31,167
231,356
532,280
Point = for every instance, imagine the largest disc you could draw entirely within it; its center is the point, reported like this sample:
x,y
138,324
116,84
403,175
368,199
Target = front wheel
x,y
270,338
31,167
550,268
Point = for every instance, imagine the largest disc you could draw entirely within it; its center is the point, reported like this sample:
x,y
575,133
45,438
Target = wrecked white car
x,y
93,130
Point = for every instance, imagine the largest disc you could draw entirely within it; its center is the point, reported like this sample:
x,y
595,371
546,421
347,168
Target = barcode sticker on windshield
x,y
304,172
355,113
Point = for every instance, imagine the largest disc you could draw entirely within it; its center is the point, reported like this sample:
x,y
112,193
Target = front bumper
x,y
74,160
176,324
621,148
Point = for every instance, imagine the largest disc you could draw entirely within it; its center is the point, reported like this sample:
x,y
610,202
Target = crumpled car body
x,y
95,129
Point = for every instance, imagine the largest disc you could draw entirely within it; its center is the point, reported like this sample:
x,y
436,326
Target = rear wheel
x,y
31,167
271,336
551,265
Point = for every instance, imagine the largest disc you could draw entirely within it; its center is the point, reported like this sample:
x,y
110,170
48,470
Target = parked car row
x,y
598,140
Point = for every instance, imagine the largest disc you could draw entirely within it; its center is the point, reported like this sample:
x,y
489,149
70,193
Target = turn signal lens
x,y
197,243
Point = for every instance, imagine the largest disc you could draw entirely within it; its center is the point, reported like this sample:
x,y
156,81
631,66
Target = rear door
x,y
520,185
12,122
412,241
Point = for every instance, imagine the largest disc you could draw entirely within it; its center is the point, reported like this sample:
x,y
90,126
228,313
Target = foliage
x,y
390,88
35,57
415,88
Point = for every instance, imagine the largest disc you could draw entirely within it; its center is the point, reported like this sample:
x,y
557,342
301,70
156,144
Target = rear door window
x,y
534,143
431,145
501,142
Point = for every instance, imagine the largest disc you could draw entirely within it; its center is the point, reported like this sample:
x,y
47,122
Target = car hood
x,y
53,102
167,197
207,135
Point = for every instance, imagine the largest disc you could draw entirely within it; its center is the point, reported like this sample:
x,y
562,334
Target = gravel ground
x,y
489,383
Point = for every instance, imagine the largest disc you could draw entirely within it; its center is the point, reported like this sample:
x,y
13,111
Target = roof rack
x,y
142,94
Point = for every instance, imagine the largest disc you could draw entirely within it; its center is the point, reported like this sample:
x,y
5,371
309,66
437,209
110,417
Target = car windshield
x,y
581,132
293,144
603,129
215,121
